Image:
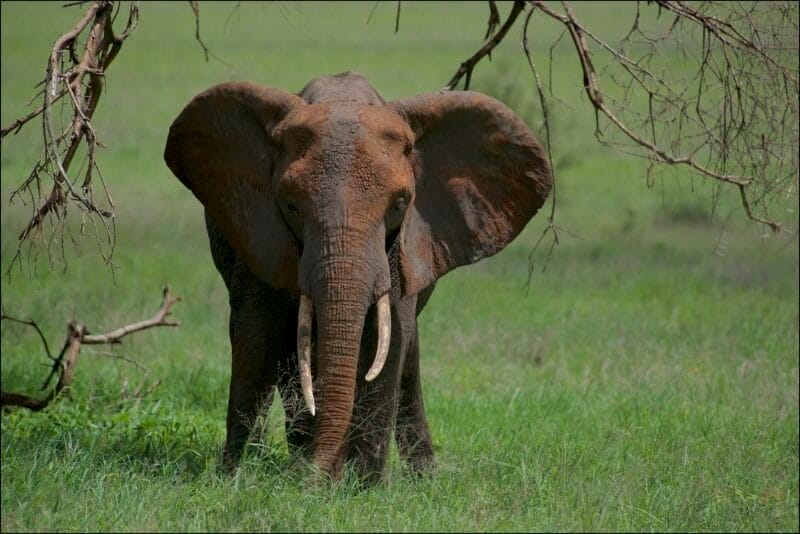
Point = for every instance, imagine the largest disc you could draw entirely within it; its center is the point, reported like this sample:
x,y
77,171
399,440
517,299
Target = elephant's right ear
x,y
220,148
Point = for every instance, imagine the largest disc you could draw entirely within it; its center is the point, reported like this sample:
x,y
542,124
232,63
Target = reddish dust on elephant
x,y
331,215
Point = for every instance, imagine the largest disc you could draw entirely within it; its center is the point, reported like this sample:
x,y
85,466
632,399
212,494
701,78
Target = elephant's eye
x,y
400,206
396,212
292,209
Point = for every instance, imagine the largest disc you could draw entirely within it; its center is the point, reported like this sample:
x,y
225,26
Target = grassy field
x,y
648,380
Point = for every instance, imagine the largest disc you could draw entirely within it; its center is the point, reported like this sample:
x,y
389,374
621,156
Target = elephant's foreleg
x,y
372,431
412,434
255,337
376,402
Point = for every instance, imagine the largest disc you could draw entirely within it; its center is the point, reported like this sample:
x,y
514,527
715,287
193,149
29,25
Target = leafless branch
x,y
494,20
77,336
551,225
465,69
726,139
196,11
733,118
159,319
206,51
30,322
116,356
397,18
17,125
138,393
372,11
81,77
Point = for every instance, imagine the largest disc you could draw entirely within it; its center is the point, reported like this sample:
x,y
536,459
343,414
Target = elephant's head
x,y
344,201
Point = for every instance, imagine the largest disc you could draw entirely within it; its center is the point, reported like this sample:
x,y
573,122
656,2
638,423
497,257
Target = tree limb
x,y
81,77
159,319
77,336
465,69
592,88
740,127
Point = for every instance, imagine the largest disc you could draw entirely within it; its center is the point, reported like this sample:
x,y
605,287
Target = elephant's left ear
x,y
480,176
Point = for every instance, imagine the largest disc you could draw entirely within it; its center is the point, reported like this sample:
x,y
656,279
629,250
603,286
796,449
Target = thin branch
x,y
196,11
30,322
17,125
725,32
593,92
465,69
397,18
159,319
77,336
372,11
494,19
119,357
740,126
551,225
81,77
206,51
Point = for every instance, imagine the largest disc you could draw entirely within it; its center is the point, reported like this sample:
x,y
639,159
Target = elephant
x,y
331,213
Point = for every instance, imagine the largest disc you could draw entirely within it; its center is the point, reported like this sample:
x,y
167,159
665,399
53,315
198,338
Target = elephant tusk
x,y
305,316
384,337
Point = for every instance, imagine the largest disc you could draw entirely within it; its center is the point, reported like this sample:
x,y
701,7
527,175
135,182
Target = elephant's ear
x,y
220,148
480,176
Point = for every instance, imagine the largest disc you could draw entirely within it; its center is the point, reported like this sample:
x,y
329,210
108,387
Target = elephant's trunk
x,y
340,324
305,317
342,283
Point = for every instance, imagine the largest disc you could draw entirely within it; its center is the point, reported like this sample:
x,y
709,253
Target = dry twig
x,y
729,134
733,118
493,22
465,69
196,11
397,18
81,78
206,51
77,335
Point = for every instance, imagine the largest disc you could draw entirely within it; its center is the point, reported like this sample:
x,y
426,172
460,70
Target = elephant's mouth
x,y
391,239
305,318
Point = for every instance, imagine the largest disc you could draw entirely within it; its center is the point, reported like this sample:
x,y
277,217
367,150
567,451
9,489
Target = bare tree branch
x,y
30,322
465,69
196,11
734,119
206,51
159,319
81,77
116,356
724,129
372,11
551,226
397,18
77,336
493,22
17,125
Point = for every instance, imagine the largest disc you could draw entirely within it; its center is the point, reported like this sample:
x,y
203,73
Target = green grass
x,y
648,380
